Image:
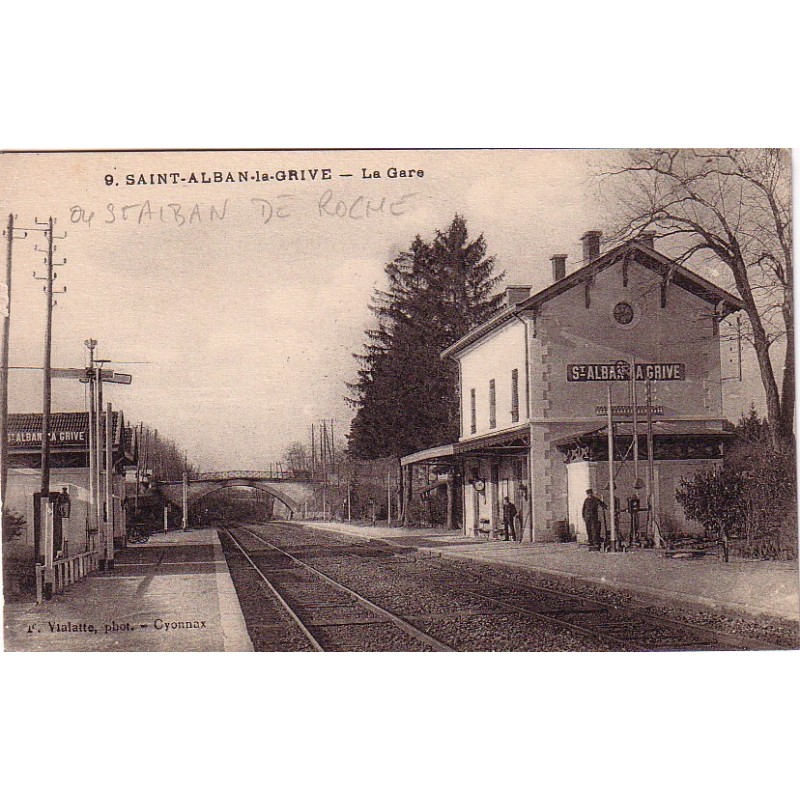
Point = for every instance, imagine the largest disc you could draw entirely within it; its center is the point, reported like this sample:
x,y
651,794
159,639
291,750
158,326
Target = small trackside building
x,y
534,381
69,469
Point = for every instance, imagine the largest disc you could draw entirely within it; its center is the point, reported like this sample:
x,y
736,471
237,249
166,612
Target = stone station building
x,y
534,384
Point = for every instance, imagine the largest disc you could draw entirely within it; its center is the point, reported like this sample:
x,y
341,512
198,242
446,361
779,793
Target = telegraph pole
x,y
156,461
93,515
48,348
100,460
146,455
109,488
313,453
44,541
9,232
102,454
389,496
139,456
650,468
635,414
185,493
611,506
98,444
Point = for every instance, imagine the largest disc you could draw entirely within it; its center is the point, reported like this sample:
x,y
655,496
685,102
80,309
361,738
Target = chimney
x,y
591,245
516,294
559,263
647,238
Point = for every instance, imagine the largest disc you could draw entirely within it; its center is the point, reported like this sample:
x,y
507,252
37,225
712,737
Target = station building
x,y
69,469
534,383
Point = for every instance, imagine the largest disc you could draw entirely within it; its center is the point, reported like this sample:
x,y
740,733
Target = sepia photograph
x,y
479,400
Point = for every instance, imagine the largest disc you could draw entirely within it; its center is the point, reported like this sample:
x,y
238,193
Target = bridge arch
x,y
217,486
293,494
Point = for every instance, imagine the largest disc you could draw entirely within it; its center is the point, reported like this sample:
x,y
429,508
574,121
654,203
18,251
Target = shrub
x,y
714,499
752,499
13,525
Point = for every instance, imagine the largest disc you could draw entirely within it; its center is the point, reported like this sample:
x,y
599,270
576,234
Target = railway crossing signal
x,y
629,372
87,374
96,376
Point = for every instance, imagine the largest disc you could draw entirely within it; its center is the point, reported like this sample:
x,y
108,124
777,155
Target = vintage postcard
x,y
424,400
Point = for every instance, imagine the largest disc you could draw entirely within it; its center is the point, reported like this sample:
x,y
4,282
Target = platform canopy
x,y
671,441
509,442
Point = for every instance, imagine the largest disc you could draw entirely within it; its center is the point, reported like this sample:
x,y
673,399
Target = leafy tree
x,y
731,208
406,396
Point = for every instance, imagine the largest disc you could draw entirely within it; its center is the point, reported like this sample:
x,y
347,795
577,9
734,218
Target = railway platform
x,y
753,588
172,593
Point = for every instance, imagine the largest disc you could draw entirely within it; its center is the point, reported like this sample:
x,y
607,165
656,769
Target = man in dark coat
x,y
509,514
591,516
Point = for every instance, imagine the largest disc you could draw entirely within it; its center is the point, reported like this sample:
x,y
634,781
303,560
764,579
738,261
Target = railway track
x,y
613,626
325,613
627,626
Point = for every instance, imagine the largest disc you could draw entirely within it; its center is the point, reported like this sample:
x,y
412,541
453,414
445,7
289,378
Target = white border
x,y
611,75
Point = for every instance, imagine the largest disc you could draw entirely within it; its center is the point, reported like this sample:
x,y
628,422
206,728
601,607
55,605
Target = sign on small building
x,y
627,411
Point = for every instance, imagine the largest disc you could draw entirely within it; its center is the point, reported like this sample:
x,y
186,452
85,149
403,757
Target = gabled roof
x,y
60,422
645,256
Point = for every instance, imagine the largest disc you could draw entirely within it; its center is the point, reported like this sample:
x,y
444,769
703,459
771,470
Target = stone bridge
x,y
292,491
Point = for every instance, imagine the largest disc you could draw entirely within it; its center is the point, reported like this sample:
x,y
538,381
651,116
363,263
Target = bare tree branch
x,y
733,206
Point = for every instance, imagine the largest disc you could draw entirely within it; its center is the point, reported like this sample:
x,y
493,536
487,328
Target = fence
x,y
65,572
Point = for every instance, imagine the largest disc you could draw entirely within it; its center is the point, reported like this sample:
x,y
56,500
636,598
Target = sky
x,y
237,307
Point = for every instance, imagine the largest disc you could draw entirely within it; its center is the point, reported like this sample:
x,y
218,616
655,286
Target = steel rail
x,y
720,637
631,610
306,632
594,633
399,622
717,636
510,606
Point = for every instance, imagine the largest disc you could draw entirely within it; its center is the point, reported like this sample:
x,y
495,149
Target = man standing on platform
x,y
591,516
509,514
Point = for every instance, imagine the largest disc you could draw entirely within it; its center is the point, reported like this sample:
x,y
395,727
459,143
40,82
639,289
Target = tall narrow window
x,y
473,412
492,405
515,395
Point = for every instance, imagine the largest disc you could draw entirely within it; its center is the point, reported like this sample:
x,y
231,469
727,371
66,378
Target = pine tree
x,y
406,396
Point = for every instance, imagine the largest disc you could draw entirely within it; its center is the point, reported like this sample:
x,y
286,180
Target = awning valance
x,y
671,441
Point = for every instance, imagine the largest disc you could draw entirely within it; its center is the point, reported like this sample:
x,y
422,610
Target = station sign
x,y
627,411
74,437
621,371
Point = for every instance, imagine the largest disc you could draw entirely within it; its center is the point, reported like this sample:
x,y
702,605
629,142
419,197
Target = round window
x,y
623,313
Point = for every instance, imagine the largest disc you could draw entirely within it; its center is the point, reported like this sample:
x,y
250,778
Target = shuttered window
x,y
473,412
492,405
515,395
